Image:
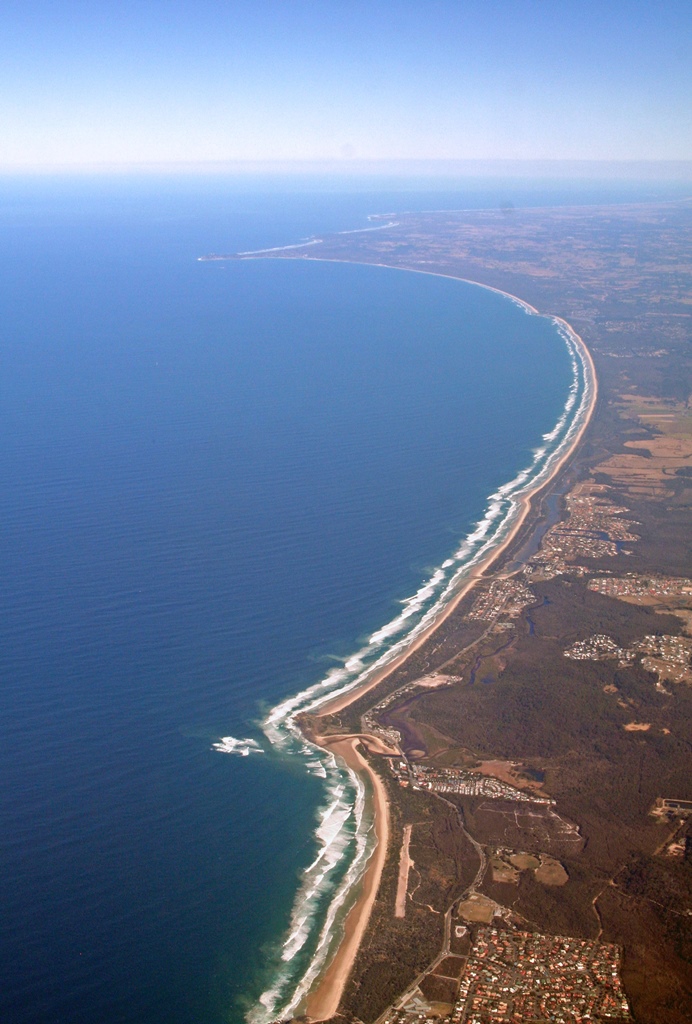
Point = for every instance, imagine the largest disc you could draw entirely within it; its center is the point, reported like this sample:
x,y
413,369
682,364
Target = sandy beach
x,y
324,1000
342,701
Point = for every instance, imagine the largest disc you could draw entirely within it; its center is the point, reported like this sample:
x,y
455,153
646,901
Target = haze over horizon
x,y
178,83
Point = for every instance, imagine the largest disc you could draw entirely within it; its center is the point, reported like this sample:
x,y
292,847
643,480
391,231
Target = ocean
x,y
223,485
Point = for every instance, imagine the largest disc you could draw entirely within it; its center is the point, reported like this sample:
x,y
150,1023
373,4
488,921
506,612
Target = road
x,y
447,937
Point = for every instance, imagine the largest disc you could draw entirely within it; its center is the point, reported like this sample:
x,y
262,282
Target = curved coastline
x,y
331,705
324,997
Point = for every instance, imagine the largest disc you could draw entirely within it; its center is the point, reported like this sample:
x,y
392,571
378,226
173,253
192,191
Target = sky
x,y
122,82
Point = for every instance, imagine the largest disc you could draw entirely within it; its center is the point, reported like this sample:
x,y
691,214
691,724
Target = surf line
x,y
321,985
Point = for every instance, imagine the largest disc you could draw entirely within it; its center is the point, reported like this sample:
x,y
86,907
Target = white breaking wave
x,y
380,227
230,745
330,833
343,833
342,825
411,606
281,248
364,845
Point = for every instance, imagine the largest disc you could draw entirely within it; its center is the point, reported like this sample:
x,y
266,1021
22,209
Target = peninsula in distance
x,y
527,758
345,519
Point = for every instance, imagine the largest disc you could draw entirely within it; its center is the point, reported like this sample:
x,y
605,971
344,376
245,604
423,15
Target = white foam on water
x,y
411,606
380,227
343,829
230,745
333,837
341,825
503,505
364,845
281,248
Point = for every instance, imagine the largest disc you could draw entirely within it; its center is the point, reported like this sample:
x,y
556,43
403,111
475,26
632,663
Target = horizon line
x,y
426,167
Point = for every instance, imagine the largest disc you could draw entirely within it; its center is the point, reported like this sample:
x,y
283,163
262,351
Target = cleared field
x,y
524,861
551,872
477,909
503,872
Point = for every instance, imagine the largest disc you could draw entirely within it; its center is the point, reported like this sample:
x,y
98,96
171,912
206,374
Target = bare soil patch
x,y
526,827
551,872
503,872
524,861
405,864
510,772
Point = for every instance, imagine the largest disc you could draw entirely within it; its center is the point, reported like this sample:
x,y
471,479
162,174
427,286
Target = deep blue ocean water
x,y
216,480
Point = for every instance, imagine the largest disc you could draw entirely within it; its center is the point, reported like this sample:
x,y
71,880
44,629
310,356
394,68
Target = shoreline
x,y
324,999
337,703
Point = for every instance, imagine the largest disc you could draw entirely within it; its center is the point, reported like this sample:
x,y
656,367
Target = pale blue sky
x,y
193,80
